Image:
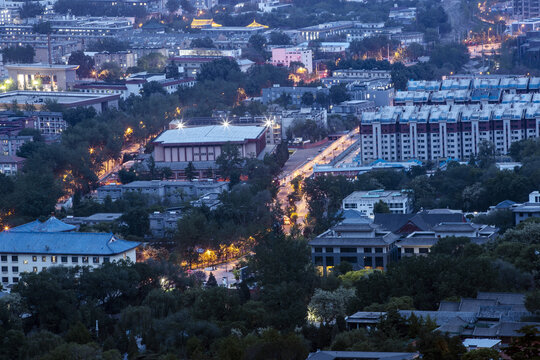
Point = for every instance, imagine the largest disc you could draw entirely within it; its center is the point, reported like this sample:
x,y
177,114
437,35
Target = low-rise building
x,y
357,242
124,59
94,219
295,92
286,56
527,210
10,144
37,246
42,76
10,164
164,224
39,99
202,145
353,107
398,201
173,191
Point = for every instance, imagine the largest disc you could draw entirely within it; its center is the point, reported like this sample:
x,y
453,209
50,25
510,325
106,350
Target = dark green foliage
x,y
204,43
381,208
18,54
31,9
85,62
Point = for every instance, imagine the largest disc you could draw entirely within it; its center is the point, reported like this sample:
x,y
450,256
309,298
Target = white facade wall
x,y
13,265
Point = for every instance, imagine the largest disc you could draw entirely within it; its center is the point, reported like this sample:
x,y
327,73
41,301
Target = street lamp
x,y
225,123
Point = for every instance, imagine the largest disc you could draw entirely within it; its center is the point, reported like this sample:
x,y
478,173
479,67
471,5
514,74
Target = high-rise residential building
x,y
526,9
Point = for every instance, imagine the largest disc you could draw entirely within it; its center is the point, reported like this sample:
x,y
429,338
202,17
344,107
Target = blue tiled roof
x,y
52,224
70,243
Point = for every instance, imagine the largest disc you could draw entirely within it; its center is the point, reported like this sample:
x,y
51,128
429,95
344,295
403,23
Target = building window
x,y
25,261
329,261
329,250
64,259
15,258
409,250
53,259
349,259
15,279
424,250
95,259
348,250
318,261
15,269
367,250
43,259
85,259
5,279
106,259
4,257
34,258
4,269
368,261
74,259
318,249
379,261
34,269
378,250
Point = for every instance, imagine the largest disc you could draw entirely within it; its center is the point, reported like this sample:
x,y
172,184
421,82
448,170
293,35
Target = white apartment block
x,y
364,201
434,132
27,252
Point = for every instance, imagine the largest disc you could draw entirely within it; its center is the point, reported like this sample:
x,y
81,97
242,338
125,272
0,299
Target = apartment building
x,y
286,56
398,201
437,132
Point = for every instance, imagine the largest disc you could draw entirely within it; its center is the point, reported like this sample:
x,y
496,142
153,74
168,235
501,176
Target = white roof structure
x,y
211,134
481,343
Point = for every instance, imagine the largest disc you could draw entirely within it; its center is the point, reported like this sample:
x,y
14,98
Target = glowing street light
x,y
225,123
180,125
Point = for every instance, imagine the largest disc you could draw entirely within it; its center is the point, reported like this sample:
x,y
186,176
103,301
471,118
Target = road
x,y
223,273
296,167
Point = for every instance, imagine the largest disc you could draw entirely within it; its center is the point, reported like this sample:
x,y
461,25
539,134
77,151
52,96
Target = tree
x,y
31,9
152,87
436,346
486,153
381,208
107,44
524,347
481,354
153,62
414,51
229,162
189,171
137,222
279,38
532,301
282,267
338,94
78,333
308,99
173,6
203,43
211,282
327,306
18,54
85,62
258,42
110,72
43,28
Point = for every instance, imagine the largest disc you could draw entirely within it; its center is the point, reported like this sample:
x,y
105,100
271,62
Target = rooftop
x,y
63,98
211,134
52,224
68,243
357,355
41,66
